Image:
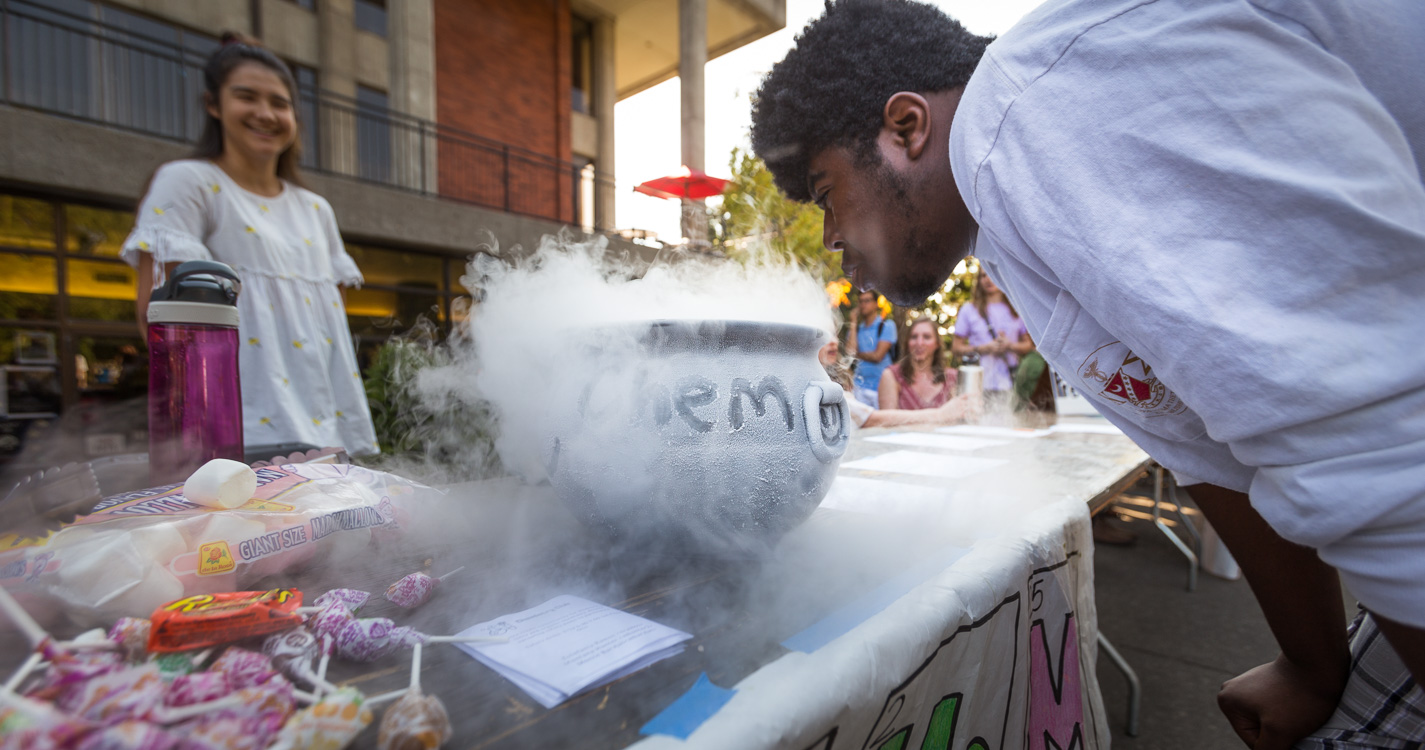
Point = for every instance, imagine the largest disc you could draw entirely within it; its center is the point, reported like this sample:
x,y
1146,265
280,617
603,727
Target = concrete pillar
x,y
692,58
605,96
411,36
336,32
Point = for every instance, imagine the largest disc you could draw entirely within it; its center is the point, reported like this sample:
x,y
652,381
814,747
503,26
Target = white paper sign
x,y
944,442
879,497
568,645
924,464
1096,428
975,430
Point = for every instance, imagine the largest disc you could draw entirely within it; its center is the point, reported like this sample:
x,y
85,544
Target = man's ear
x,y
906,119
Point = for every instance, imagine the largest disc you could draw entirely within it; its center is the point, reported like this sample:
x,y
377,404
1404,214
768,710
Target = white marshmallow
x,y
221,483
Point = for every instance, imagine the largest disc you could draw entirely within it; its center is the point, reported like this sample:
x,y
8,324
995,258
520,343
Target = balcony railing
x,y
85,69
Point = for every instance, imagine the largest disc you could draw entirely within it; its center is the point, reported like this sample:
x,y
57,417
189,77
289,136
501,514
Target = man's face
x,y
869,308
896,218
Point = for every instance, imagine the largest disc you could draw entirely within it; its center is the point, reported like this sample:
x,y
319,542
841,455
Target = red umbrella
x,y
691,184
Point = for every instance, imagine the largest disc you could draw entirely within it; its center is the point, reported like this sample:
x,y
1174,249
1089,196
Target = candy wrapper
x,y
329,724
139,550
216,619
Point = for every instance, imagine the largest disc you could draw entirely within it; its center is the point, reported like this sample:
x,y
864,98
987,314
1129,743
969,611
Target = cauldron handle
x,y
818,417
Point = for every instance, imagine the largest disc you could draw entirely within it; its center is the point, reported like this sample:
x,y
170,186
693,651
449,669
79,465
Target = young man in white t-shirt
x,y
1211,216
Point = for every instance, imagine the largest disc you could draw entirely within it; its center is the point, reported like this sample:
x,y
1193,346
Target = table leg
x,y
1177,541
1135,688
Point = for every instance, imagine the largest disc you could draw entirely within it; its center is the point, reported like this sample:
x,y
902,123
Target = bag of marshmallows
x,y
225,529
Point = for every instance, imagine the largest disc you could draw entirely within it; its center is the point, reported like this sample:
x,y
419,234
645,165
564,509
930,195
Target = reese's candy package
x,y
214,619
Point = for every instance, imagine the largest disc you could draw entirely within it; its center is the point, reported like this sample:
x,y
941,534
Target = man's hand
x,y
1275,705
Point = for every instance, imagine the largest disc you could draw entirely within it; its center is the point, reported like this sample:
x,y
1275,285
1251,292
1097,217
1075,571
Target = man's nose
x,y
830,235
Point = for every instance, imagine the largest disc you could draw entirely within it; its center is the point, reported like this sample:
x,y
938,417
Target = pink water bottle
x,y
194,398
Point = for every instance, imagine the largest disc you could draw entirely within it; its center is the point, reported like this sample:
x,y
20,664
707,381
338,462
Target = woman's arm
x,y
1023,346
889,390
955,411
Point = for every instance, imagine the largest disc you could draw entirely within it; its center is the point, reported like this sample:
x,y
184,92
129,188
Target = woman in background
x,y
990,328
956,410
919,379
239,200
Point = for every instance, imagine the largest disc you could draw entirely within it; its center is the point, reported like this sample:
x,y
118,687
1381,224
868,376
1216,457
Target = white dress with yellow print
x,y
300,381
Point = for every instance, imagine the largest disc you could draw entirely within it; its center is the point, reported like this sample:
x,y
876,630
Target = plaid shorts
x,y
1382,706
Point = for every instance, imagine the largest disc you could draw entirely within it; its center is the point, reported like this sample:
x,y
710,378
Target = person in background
x,y
870,340
954,411
919,379
990,328
239,200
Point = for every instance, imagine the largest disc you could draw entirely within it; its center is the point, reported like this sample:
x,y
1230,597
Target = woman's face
x,y
922,341
256,111
989,284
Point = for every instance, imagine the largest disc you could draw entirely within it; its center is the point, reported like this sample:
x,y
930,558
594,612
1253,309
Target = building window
x,y
371,16
582,85
307,95
401,288
307,4
98,62
373,135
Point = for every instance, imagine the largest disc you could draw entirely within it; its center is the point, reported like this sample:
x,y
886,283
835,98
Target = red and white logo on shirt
x,y
1122,378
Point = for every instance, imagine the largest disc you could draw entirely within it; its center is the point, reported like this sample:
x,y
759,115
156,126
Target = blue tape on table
x,y
683,716
859,610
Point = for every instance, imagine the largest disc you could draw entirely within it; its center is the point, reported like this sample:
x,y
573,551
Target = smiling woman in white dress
x,y
238,200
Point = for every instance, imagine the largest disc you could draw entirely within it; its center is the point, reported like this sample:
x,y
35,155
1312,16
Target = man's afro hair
x,y
831,89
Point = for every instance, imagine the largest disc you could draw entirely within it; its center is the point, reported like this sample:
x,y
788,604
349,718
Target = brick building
x,y
430,125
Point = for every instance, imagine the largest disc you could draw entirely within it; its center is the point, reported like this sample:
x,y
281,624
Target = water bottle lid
x,y
203,292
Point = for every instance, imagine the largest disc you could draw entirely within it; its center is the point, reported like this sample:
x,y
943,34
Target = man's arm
x,y
876,355
1278,703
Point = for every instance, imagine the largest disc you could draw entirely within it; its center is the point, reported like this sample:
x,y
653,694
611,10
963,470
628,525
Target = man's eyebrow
x,y
812,179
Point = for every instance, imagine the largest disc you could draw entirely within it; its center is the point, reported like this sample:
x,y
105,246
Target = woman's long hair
x,y
236,50
977,297
937,357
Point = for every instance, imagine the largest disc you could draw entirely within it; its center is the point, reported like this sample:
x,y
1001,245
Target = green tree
x,y
944,305
756,217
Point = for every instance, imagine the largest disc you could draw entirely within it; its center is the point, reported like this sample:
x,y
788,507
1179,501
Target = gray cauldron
x,y
722,435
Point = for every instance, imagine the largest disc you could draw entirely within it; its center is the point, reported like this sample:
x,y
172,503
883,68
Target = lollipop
x,y
27,724
130,735
352,599
244,668
199,687
332,610
417,721
416,589
131,633
371,638
330,724
112,697
292,652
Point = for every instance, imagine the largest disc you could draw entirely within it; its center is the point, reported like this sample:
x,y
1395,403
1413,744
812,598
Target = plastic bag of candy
x,y
138,550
